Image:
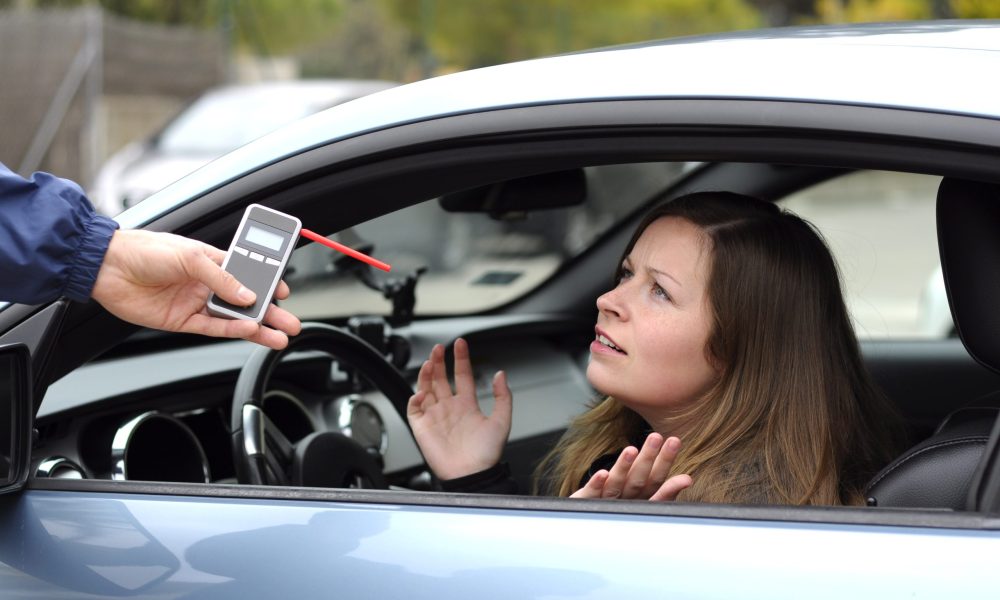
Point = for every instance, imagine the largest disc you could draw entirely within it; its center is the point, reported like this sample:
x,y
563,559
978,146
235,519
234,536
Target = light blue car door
x,y
71,544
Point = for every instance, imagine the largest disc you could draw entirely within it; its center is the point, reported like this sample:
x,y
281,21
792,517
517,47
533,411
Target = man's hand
x,y
163,281
639,474
455,437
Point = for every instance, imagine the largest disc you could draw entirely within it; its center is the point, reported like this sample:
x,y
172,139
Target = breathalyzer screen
x,y
264,238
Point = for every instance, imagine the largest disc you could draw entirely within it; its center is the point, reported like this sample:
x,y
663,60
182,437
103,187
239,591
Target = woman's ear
x,y
715,362
720,368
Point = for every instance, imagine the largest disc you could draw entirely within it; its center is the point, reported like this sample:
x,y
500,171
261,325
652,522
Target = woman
x,y
727,330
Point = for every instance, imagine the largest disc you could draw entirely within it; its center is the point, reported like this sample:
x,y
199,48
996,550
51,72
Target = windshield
x,y
473,262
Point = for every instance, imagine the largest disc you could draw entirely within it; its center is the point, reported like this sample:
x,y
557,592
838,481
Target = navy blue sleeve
x,y
52,242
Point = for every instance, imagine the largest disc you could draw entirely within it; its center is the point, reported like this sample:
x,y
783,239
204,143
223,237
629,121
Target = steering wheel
x,y
262,453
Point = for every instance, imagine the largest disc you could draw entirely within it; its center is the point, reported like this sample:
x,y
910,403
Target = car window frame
x,y
941,519
799,133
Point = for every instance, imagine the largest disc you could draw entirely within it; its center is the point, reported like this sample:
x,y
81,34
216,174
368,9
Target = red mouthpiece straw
x,y
312,235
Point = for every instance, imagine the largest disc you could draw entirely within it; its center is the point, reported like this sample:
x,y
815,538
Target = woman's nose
x,y
610,303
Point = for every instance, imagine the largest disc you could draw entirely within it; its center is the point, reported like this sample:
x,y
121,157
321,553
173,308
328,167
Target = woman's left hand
x,y
639,474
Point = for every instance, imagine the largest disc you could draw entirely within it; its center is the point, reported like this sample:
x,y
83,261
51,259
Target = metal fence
x,y
76,85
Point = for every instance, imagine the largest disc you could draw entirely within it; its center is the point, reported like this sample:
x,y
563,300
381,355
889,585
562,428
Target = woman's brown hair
x,y
794,417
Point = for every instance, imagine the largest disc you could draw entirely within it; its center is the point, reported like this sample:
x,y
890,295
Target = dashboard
x,y
165,416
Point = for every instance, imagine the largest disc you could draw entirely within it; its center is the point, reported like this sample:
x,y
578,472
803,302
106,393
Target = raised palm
x,y
454,435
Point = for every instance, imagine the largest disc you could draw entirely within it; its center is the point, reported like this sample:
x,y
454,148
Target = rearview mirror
x,y
560,189
15,416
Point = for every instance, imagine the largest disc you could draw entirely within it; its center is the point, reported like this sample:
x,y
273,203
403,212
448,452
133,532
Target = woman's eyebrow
x,y
665,274
627,264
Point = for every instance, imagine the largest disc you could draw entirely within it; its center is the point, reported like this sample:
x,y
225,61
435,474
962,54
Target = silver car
x,y
138,485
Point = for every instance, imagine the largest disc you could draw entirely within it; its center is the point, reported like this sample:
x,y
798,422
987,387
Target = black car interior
x,y
939,471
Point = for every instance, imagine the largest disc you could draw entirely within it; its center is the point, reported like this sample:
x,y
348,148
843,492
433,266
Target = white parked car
x,y
218,122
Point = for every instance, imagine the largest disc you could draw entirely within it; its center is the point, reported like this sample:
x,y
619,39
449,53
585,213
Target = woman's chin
x,y
591,375
600,380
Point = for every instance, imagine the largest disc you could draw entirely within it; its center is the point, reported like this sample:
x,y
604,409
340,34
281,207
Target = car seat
x,y
941,471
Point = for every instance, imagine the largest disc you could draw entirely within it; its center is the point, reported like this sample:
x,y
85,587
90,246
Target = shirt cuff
x,y
496,479
89,257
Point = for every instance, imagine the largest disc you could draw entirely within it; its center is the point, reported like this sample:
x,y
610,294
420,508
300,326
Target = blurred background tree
x,y
260,26
833,11
463,34
976,9
410,39
145,60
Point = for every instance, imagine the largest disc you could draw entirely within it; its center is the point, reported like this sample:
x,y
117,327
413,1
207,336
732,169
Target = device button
x,y
257,257
271,261
242,251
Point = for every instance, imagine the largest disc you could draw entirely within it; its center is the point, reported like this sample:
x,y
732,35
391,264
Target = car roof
x,y
942,66
296,90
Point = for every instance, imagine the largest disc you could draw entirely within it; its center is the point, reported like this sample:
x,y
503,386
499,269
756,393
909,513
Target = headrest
x,y
968,221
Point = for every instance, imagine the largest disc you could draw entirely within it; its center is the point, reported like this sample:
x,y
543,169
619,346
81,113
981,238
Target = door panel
x,y
69,545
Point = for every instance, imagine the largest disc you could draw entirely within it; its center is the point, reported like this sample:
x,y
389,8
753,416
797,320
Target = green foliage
x,y
259,26
409,39
470,33
975,9
170,12
855,11
366,43
281,27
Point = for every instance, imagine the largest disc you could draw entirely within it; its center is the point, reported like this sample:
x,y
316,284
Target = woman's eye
x,y
659,291
624,273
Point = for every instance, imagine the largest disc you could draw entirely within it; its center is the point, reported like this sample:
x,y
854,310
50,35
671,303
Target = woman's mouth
x,y
603,344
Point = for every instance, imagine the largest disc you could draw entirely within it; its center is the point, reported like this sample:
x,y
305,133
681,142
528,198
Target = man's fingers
x,y
282,291
216,327
217,256
673,486
235,328
282,320
272,338
594,486
204,269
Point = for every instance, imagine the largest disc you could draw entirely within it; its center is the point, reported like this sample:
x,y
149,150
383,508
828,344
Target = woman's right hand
x,y
454,435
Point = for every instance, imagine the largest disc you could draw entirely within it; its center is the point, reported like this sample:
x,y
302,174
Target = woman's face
x,y
652,329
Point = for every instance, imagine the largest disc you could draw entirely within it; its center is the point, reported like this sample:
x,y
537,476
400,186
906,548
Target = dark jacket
x,y
498,480
52,242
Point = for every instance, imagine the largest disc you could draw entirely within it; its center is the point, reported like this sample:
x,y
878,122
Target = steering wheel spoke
x,y
263,454
277,443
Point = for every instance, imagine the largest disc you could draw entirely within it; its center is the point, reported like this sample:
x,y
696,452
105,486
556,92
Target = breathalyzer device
x,y
257,259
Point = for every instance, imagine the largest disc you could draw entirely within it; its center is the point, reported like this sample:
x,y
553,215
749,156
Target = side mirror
x,y
16,413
